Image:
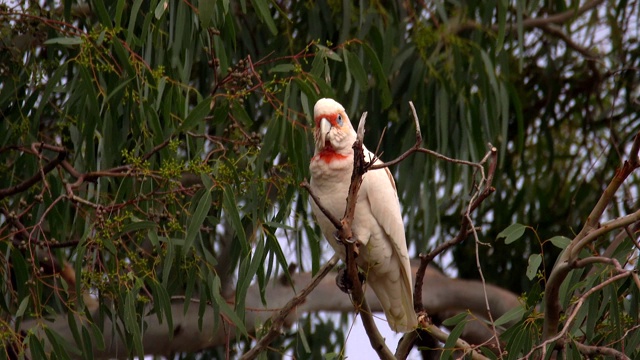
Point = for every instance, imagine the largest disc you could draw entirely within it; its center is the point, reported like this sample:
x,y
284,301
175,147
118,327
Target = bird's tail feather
x,y
396,298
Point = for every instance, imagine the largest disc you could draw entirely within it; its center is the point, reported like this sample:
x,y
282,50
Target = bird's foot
x,y
343,281
336,236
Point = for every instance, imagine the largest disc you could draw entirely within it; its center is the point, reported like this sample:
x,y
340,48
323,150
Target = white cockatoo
x,y
377,223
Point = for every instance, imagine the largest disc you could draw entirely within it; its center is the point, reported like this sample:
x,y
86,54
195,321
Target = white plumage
x,y
377,222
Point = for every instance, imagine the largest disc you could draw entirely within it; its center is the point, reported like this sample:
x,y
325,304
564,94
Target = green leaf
x,y
534,263
137,226
303,339
35,345
282,68
87,344
118,16
206,12
131,320
279,225
196,115
502,19
380,75
160,8
226,309
246,275
101,11
196,220
262,9
271,140
348,75
454,335
456,319
109,245
230,206
326,52
22,273
560,242
512,233
60,345
240,114
133,18
317,66
512,315
51,84
168,261
23,306
162,303
68,41
97,336
356,69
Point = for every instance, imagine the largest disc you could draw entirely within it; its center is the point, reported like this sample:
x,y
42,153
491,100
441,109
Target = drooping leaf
x,y
512,233
534,264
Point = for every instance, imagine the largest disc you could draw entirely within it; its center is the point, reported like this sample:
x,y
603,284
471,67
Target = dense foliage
x,y
154,149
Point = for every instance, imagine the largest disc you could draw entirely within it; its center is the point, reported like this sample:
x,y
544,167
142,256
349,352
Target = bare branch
x,y
460,344
375,338
406,344
278,320
465,229
592,351
345,235
417,148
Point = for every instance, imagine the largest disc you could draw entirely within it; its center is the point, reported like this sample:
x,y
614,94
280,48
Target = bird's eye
x,y
339,120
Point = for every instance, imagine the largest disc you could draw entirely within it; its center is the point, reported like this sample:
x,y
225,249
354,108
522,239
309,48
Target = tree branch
x,y
417,147
593,351
487,190
460,344
345,235
589,233
62,154
574,313
278,320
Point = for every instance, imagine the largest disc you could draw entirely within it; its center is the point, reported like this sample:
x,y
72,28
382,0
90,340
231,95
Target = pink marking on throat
x,y
328,154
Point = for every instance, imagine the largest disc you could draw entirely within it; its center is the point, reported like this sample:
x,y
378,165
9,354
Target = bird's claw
x,y
343,281
347,241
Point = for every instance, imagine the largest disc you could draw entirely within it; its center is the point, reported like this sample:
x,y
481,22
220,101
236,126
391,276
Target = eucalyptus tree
x,y
152,154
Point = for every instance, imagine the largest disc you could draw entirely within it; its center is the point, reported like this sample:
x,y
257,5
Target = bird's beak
x,y
325,126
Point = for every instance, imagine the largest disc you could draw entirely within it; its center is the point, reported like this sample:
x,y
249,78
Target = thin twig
x,y
417,147
484,288
465,230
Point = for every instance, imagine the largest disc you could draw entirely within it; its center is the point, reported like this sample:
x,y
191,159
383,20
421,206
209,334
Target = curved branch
x,y
592,351
589,233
